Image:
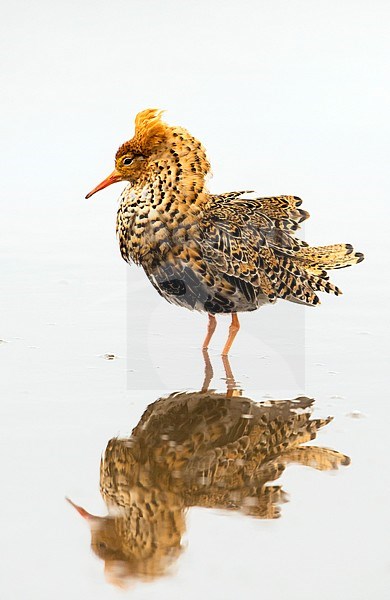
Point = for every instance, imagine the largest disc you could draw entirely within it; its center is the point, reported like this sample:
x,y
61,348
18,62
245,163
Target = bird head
x,y
105,541
129,554
131,160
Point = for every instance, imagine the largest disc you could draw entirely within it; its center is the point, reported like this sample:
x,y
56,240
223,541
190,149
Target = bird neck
x,y
175,177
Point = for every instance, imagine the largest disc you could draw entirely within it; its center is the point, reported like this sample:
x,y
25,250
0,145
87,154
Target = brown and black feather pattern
x,y
198,449
250,241
215,253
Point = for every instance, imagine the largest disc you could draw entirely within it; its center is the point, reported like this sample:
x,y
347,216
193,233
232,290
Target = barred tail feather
x,y
319,259
309,271
299,280
321,284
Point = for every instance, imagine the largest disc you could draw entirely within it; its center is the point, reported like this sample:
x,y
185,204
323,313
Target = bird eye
x,y
127,161
102,545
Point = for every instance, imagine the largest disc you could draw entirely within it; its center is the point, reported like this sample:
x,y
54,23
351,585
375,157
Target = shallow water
x,y
75,377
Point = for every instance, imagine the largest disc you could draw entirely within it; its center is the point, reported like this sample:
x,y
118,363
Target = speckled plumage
x,y
218,253
222,253
197,449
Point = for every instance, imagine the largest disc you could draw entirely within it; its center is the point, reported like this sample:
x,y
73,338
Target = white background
x,y
289,97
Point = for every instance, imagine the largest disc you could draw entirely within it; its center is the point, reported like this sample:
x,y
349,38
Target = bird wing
x,y
283,210
250,241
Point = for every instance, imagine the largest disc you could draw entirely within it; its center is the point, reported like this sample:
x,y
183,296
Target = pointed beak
x,y
81,510
113,178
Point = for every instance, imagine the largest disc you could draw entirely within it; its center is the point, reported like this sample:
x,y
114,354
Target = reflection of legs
x,y
208,371
230,381
231,385
233,330
210,330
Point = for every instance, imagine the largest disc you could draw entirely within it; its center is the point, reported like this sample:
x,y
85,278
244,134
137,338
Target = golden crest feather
x,y
149,132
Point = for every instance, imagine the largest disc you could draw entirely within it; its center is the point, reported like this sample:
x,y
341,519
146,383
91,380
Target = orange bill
x,y
113,178
80,510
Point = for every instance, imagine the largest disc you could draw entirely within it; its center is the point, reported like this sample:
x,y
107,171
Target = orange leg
x,y
210,330
233,330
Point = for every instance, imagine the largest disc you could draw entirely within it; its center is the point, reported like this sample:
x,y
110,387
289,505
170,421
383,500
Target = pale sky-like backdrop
x,y
288,97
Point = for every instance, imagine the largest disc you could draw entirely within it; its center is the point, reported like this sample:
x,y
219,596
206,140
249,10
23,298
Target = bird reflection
x,y
204,449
